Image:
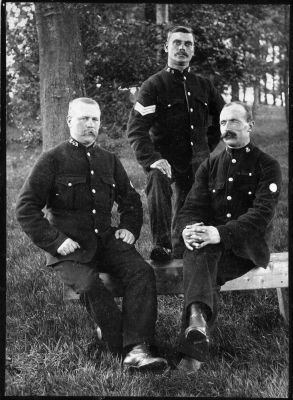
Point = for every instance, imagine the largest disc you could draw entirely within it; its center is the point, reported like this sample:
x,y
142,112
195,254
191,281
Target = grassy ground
x,y
52,347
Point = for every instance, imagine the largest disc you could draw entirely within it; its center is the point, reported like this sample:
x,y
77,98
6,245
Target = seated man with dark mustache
x,y
226,225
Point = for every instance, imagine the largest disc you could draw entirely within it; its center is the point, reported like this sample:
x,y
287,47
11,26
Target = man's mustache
x,y
181,53
228,133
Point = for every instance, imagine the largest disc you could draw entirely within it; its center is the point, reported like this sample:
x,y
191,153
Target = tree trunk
x,y
61,68
162,14
162,18
235,91
286,63
244,93
255,98
274,77
265,89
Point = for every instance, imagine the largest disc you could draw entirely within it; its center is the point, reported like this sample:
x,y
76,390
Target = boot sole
x,y
196,336
157,365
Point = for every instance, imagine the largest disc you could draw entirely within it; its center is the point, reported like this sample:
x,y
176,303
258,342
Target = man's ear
x,y
68,120
166,47
251,124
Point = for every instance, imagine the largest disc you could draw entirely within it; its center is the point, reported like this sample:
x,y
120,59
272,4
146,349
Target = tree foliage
x,y
121,43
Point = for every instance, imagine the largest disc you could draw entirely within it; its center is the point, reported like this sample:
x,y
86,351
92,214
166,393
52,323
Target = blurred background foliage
x,y
237,46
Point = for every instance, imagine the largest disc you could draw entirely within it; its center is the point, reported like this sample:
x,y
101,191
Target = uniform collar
x,y
176,72
76,144
238,152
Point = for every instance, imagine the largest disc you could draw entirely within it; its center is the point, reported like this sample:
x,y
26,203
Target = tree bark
x,y
162,14
255,98
61,68
235,91
265,88
162,18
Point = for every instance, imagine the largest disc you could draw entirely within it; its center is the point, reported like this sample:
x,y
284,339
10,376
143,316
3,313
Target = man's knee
x,y
144,272
79,277
156,179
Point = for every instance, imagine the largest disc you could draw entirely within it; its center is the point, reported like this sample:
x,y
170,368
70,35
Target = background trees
x,y
243,48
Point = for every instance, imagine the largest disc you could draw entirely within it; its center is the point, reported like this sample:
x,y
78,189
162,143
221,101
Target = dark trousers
x,y
136,323
204,272
161,192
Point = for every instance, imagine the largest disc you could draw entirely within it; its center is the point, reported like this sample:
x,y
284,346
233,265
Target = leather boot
x,y
196,332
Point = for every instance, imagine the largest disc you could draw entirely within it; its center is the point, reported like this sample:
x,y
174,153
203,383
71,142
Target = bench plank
x,y
169,278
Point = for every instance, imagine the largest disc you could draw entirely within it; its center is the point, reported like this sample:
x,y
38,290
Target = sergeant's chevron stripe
x,y
144,110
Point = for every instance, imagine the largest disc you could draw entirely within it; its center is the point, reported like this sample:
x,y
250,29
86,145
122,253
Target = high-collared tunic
x,y
78,185
171,120
237,191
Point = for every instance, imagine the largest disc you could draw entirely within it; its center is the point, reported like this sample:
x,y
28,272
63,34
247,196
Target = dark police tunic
x,y
78,185
237,191
171,120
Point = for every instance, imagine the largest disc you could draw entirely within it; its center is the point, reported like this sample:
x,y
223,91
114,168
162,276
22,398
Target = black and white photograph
x,y
146,199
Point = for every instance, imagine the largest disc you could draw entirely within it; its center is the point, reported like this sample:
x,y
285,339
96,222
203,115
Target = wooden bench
x,y
169,277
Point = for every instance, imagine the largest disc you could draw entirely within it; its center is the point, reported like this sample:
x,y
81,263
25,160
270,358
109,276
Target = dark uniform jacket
x,y
236,191
171,119
78,185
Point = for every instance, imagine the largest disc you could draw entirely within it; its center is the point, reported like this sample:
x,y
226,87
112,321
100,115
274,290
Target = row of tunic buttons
x,y
93,191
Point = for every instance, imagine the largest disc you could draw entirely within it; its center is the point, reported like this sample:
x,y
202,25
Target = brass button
x,y
229,198
94,190
228,215
233,160
69,184
94,211
230,179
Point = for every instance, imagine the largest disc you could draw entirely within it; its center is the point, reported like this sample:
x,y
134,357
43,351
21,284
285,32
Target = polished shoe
x,y
140,358
189,365
160,253
196,332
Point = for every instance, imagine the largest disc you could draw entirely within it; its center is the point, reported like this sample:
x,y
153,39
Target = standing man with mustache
x,y
226,224
78,182
169,130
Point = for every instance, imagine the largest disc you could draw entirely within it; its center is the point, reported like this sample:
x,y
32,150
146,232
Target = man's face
x,y
180,49
235,130
84,122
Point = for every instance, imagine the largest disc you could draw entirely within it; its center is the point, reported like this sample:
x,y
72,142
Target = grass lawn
x,y
52,347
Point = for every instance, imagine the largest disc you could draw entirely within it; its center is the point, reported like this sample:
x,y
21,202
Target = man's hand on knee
x,y
125,235
67,247
163,166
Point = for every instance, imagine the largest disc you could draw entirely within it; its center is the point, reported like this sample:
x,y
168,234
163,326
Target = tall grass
x,y
52,348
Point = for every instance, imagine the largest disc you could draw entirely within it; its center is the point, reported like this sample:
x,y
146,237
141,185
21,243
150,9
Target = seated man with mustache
x,y
226,224
78,182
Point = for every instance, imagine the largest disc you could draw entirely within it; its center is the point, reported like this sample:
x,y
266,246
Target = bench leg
x,y
283,298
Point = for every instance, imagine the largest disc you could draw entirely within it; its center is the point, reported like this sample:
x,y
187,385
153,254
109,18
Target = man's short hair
x,y
86,100
247,108
180,28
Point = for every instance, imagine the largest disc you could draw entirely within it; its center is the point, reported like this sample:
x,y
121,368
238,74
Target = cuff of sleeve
x,y
52,248
226,236
155,157
134,231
